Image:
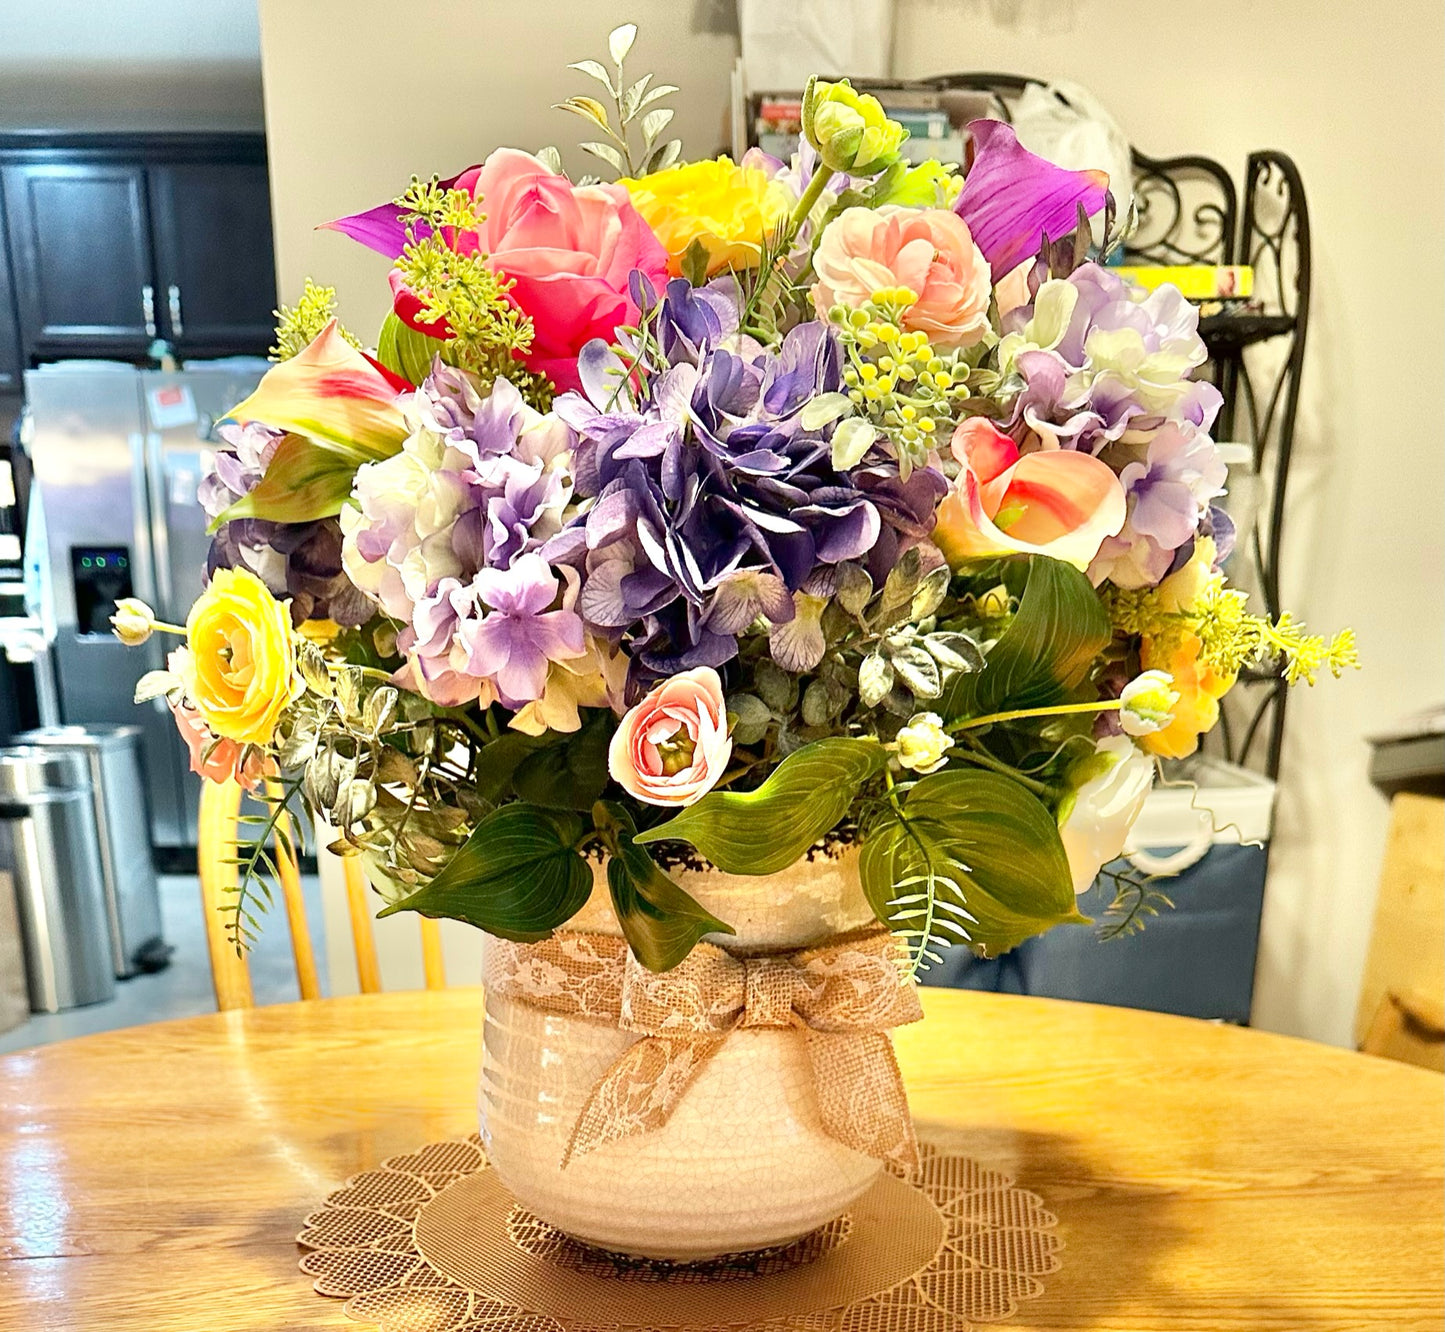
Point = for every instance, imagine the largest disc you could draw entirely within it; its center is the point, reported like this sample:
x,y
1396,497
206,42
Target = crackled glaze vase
x,y
743,1162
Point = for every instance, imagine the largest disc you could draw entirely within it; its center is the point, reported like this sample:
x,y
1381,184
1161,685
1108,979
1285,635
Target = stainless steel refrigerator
x,y
117,455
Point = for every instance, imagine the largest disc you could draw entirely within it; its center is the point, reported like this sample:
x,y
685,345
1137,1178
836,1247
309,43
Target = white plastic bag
x,y
1067,125
784,41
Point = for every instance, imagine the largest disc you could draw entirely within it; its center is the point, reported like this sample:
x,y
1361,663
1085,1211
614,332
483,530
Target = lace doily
x,y
431,1242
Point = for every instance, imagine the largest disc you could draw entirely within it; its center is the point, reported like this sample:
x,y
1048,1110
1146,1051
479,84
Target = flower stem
x,y
985,760
1111,705
821,176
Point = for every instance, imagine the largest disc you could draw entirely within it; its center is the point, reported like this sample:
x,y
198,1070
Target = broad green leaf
x,y
498,762
404,351
606,153
517,876
304,480
662,922
1046,651
654,122
973,859
570,773
764,831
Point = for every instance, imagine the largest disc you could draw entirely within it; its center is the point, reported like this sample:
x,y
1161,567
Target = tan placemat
x,y
432,1242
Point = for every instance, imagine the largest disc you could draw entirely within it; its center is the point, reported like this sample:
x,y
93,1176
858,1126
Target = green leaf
x,y
619,41
517,876
654,122
594,70
606,153
498,762
973,858
569,774
694,263
661,921
304,480
1058,632
764,831
404,351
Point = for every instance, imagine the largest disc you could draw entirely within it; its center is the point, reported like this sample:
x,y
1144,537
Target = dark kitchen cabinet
x,y
10,359
117,241
215,279
80,239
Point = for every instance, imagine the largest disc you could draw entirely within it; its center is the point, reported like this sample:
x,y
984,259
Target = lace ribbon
x,y
843,997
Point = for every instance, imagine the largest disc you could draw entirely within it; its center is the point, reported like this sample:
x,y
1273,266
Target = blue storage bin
x,y
1208,851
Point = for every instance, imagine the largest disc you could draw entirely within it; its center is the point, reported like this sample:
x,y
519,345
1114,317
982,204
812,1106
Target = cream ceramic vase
x,y
744,1162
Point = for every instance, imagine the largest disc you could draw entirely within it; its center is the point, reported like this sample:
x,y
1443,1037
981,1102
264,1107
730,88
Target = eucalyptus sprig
x,y
630,101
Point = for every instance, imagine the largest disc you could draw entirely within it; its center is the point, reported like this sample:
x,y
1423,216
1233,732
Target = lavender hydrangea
x,y
480,483
300,561
711,503
1099,365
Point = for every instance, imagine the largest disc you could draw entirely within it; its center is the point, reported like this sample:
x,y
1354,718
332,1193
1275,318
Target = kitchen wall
x,y
1353,94
130,65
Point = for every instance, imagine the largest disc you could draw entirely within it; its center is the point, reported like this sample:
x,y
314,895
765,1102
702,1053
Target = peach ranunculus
x,y
1053,502
927,250
215,758
671,748
728,209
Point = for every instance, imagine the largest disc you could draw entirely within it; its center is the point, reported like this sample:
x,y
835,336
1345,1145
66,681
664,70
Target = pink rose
x,y
673,746
217,760
928,250
568,248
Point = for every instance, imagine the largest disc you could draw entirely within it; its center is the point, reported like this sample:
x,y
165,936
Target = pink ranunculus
x,y
1053,502
928,250
217,760
672,747
568,248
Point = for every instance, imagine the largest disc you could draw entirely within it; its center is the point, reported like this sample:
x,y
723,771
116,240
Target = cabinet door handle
x,y
173,299
148,308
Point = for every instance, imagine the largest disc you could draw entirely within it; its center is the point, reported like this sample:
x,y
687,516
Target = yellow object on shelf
x,y
1196,282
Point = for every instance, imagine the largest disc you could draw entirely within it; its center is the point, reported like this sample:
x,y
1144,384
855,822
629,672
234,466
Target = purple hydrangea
x,y
711,502
479,486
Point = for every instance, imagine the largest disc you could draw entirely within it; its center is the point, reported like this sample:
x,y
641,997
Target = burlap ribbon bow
x,y
844,996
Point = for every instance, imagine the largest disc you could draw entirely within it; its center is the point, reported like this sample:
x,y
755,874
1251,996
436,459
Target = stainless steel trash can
x,y
132,900
49,842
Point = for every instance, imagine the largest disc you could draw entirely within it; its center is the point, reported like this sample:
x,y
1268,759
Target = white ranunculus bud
x,y
1113,784
923,744
1148,703
133,622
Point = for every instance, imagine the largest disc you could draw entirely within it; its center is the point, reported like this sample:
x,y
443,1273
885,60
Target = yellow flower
x,y
1198,685
850,130
730,210
240,670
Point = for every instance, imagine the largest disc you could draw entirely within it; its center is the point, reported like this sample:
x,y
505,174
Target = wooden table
x,y
1205,1177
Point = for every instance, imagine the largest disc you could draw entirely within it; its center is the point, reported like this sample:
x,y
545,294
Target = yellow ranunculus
x,y
850,130
731,210
240,669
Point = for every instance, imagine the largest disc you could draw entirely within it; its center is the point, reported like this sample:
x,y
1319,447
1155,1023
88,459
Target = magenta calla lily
x,y
1011,198
334,394
381,228
1055,502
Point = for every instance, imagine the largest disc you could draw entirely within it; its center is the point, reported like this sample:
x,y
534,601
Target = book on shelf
x,y
1196,282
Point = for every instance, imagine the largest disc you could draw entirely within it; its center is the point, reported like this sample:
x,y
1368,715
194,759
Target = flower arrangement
x,y
712,511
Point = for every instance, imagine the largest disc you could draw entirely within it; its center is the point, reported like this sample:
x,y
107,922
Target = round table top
x,y
1205,1177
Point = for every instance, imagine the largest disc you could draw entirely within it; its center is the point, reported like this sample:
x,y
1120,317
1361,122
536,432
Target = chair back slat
x,y
433,964
220,811
289,872
368,967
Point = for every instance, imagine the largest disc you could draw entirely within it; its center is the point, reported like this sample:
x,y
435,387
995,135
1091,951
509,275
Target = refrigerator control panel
x,y
101,575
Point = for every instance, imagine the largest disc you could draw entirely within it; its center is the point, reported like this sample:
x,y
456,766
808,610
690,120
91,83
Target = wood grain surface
x,y
1205,1177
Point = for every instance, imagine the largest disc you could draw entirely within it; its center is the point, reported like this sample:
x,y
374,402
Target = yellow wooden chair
x,y
217,835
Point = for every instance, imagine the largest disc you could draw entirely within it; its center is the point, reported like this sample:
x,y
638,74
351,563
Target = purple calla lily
x,y
381,228
1012,199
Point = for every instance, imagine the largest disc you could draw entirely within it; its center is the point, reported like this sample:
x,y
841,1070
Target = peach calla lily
x,y
1054,502
333,394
